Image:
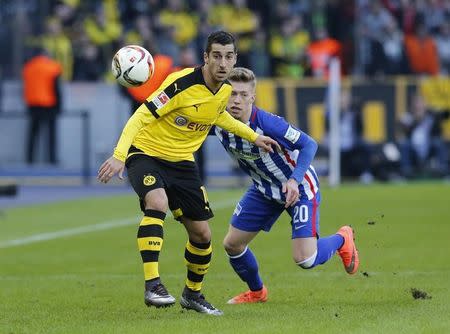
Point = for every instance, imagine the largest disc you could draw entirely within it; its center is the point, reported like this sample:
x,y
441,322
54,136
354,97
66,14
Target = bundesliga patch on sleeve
x,y
160,100
292,134
237,209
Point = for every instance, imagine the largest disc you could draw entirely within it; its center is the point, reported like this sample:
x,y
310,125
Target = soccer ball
x,y
132,66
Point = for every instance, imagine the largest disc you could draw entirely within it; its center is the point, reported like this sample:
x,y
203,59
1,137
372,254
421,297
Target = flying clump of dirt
x,y
373,222
418,294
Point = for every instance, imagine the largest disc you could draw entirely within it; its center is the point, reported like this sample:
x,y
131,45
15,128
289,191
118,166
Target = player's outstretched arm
x,y
109,168
267,143
228,123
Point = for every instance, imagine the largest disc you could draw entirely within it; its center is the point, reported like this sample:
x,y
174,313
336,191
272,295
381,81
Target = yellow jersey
x,y
174,120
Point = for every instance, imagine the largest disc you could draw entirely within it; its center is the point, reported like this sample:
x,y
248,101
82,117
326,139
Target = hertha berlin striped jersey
x,y
270,170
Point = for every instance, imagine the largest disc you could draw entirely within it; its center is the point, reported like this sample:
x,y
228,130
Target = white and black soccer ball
x,y
132,66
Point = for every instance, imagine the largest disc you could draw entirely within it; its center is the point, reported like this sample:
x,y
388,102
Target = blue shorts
x,y
255,212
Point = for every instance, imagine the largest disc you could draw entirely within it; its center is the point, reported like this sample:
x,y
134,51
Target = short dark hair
x,y
220,37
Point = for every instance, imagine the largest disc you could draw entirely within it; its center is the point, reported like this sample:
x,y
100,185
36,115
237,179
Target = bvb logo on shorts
x,y
149,180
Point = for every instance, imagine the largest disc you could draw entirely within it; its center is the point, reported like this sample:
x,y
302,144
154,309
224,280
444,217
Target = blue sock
x,y
326,247
246,266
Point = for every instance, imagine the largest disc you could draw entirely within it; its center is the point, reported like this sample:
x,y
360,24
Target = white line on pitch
x,y
108,225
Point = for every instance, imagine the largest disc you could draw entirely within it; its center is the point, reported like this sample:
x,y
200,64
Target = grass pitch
x,y
73,267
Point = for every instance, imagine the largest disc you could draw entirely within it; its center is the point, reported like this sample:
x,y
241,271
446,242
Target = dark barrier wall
x,y
383,102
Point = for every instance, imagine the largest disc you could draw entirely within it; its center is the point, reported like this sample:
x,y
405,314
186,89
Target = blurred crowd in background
x,y
284,38
290,39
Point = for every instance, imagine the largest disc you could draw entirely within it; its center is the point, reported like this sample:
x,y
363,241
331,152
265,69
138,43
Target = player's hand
x,y
290,188
109,168
266,143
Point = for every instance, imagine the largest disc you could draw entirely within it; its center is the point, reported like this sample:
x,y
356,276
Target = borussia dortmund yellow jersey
x,y
175,120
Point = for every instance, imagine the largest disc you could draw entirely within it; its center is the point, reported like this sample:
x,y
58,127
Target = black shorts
x,y
181,181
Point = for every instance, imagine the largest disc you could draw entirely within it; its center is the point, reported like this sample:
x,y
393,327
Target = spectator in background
x,y
443,48
175,17
205,11
423,143
177,23
220,13
58,46
243,24
141,33
394,53
88,64
104,29
188,58
317,14
374,20
432,15
288,48
43,98
405,13
67,13
421,52
258,57
388,52
446,9
321,51
130,10
165,40
281,12
235,16
356,153
340,18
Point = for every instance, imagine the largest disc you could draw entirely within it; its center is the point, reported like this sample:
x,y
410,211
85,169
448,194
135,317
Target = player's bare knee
x,y
157,200
305,260
304,252
204,236
227,244
201,233
232,248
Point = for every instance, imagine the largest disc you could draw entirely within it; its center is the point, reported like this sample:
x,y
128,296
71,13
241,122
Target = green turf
x,y
92,282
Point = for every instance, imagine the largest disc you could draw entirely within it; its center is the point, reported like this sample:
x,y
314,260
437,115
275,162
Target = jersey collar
x,y
251,122
202,81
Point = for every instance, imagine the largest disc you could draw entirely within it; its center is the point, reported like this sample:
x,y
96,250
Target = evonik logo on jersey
x,y
183,121
198,127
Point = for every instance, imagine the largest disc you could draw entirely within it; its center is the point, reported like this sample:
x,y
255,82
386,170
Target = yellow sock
x,y
197,257
150,240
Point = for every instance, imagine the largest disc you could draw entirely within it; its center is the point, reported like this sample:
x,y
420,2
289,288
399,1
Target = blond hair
x,y
242,74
